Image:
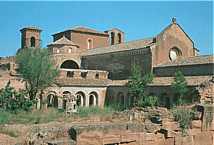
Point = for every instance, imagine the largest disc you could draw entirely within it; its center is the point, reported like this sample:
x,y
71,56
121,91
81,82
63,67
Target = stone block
x,y
204,138
159,137
193,131
196,124
129,137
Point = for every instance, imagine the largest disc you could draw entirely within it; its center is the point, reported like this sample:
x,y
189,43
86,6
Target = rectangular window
x,y
70,50
58,50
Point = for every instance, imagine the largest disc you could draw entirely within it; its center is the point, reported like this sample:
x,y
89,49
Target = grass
x,y
51,114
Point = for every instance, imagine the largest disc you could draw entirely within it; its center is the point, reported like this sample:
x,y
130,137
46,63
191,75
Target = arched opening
x,y
52,100
164,100
32,42
97,76
90,44
112,38
175,99
119,38
69,64
120,98
80,99
93,99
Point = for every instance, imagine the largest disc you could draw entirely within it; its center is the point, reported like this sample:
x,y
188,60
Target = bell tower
x,y
30,37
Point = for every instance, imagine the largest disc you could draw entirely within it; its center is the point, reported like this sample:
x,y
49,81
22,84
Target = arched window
x,y
69,64
93,99
89,43
32,42
81,98
119,38
112,38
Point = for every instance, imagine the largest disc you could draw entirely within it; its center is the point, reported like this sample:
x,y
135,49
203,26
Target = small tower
x,y
116,36
30,37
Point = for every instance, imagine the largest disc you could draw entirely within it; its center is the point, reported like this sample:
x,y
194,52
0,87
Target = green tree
x,y
179,86
137,84
38,68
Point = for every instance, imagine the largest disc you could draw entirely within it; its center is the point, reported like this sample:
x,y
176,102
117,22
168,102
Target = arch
x,y
119,38
175,99
175,53
32,41
80,98
69,64
120,98
164,100
112,38
93,98
90,43
52,99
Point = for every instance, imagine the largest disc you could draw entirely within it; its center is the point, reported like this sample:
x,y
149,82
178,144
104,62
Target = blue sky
x,y
141,19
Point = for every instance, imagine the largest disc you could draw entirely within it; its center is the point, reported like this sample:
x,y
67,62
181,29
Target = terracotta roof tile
x,y
195,60
31,27
63,41
167,81
137,44
84,29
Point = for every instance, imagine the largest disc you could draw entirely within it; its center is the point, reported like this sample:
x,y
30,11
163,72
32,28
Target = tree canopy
x,y
179,86
137,84
38,68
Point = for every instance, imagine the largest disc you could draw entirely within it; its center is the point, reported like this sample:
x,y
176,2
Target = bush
x,y
182,116
119,107
148,102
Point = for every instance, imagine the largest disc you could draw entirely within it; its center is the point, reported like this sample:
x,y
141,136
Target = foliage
x,y
182,116
119,107
113,74
148,101
13,101
38,68
179,86
137,84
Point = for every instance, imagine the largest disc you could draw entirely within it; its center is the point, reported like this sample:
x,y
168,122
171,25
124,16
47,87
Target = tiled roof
x,y
195,60
167,81
142,43
82,82
63,41
84,29
31,27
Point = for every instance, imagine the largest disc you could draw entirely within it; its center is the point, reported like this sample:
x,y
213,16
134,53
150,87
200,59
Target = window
x,y
58,50
89,44
70,50
175,53
32,42
112,38
119,38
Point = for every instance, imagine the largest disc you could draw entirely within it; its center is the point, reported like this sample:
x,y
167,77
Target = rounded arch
x,y
97,76
93,98
32,41
175,53
120,98
52,99
80,98
69,64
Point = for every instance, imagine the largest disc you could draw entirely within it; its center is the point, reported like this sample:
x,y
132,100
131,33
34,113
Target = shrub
x,y
148,102
182,116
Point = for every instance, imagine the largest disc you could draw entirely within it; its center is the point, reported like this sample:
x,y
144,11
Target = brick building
x,y
86,57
